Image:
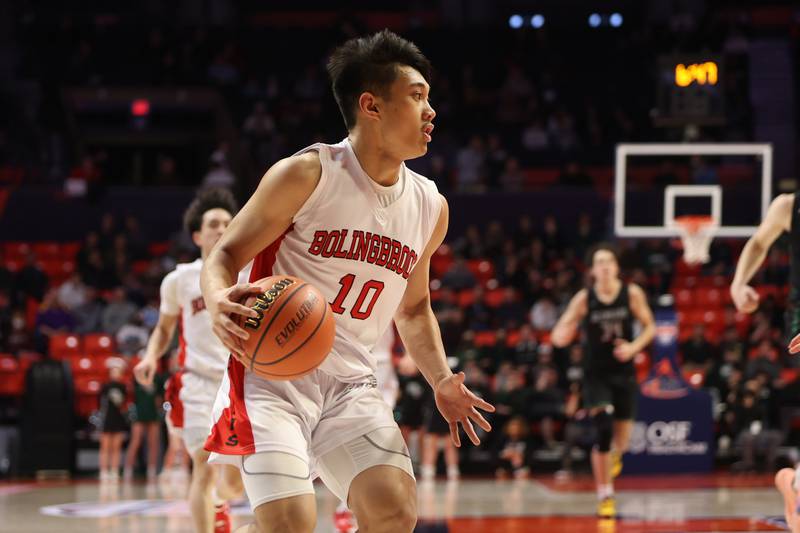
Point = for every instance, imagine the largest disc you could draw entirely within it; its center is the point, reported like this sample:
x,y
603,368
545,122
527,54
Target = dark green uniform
x,y
608,381
145,408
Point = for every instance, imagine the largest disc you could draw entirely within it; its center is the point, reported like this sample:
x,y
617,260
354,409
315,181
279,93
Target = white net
x,y
696,233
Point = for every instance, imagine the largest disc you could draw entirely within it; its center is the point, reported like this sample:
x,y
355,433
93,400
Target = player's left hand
x,y
794,346
457,405
623,350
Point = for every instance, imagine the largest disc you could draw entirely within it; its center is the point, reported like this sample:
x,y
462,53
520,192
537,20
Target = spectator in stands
x,y
72,293
259,125
136,241
97,272
732,342
573,175
496,157
6,314
31,281
552,240
108,230
561,128
478,314
51,319
509,395
470,166
471,245
6,276
698,353
513,178
512,450
492,355
89,316
508,266
90,243
526,349
754,434
219,174
510,313
546,404
166,171
113,422
534,137
493,240
524,233
19,337
459,276
585,235
132,337
574,370
720,373
544,314
450,317
764,360
118,312
146,414
466,349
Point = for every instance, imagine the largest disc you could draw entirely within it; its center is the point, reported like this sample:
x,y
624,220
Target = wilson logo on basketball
x,y
296,321
264,302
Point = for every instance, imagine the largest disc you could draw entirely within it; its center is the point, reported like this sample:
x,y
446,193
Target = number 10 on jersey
x,y
371,289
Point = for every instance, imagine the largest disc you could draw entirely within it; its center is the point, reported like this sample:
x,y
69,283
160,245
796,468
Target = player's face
x,y
407,121
604,266
214,223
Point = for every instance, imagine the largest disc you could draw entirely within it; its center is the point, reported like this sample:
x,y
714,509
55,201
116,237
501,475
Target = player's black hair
x,y
370,64
207,200
605,246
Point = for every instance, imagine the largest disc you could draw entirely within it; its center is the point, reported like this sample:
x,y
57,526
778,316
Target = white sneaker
x,y
428,472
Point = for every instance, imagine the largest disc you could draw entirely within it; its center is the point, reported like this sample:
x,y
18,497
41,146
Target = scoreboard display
x,y
690,91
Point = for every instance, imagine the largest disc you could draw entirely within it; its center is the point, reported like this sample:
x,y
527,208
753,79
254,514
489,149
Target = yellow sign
x,y
702,73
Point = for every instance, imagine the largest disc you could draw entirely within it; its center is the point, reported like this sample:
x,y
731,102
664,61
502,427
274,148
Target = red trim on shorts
x,y
172,394
181,342
232,434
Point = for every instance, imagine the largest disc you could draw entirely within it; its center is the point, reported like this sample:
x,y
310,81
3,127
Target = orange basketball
x,y
294,330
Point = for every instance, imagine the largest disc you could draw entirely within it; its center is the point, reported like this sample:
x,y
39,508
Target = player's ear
x,y
369,105
196,238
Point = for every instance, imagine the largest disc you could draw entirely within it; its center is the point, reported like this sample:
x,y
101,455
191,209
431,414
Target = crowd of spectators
x,y
539,113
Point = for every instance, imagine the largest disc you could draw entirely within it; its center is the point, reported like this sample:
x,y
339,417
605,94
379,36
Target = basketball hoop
x,y
697,232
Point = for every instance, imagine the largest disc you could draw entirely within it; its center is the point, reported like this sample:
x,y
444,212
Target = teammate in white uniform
x,y
203,359
352,220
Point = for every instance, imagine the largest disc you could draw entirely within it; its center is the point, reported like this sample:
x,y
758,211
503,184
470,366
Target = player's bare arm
x,y
267,214
566,329
419,330
777,220
624,350
157,346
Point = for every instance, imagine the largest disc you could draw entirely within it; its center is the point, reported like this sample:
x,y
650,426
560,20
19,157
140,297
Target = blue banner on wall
x,y
673,431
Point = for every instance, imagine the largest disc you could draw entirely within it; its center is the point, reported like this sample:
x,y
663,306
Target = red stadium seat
x,y
684,298
441,260
12,376
64,344
709,298
494,298
482,269
466,298
88,366
157,249
485,338
98,344
69,250
16,251
512,338
46,251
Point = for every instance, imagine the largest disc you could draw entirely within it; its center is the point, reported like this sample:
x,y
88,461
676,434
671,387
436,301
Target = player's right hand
x,y
224,303
745,298
794,346
144,371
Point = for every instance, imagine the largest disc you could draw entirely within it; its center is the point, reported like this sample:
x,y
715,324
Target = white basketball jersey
x,y
357,252
200,349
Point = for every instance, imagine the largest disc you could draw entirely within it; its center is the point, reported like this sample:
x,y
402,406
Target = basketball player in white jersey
x,y
203,359
354,221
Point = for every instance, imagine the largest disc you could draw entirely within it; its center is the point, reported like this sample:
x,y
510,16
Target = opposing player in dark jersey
x,y
779,218
606,313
